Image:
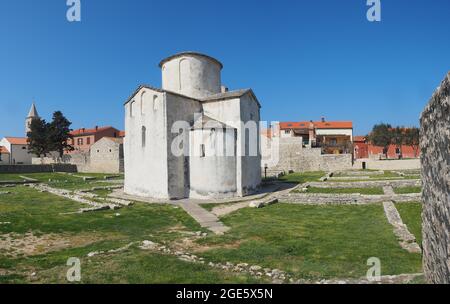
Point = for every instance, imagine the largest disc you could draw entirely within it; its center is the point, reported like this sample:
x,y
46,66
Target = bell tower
x,y
32,114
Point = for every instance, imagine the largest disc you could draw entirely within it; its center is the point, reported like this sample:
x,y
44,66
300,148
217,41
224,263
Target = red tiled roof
x,y
121,133
17,140
84,131
294,125
4,150
359,138
317,125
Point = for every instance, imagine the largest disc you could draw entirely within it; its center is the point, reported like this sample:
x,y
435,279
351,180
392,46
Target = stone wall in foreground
x,y
435,158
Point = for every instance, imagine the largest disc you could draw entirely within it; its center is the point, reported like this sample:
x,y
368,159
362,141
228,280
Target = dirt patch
x,y
191,244
29,244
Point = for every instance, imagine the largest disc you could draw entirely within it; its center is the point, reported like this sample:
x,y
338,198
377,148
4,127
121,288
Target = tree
x,y
59,133
412,138
38,142
398,139
381,136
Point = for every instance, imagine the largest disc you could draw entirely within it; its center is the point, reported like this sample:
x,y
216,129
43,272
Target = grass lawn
x,y
57,237
411,214
312,242
365,191
406,190
10,177
302,177
67,181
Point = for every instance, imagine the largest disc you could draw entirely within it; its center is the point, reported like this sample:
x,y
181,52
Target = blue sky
x,y
304,59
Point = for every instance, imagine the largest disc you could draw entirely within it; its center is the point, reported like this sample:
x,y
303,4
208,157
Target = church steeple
x,y
32,114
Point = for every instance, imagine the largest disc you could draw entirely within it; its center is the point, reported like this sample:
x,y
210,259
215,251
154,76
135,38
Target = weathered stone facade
x,y
435,157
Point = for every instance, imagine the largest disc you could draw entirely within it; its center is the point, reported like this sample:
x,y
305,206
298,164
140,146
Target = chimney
x,y
83,130
323,118
96,128
223,89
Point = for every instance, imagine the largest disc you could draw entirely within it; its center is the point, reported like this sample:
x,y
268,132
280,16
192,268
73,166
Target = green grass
x,y
365,191
411,214
313,242
406,190
10,177
140,267
302,177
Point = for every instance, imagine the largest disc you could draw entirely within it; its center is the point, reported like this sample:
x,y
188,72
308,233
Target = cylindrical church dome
x,y
192,74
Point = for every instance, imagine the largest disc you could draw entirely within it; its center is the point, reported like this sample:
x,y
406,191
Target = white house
x,y
18,150
15,149
193,137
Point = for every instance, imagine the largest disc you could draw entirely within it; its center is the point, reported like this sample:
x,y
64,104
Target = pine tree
x,y
38,140
59,133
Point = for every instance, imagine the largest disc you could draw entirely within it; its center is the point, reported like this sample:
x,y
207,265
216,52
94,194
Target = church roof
x,y
189,53
215,97
33,112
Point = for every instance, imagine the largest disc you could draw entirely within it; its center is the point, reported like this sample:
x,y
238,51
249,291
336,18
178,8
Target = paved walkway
x,y
204,217
388,190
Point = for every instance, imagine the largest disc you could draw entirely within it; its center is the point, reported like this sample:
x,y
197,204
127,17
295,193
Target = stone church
x,y
216,130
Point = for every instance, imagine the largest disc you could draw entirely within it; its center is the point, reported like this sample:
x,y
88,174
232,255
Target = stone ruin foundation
x,y
435,158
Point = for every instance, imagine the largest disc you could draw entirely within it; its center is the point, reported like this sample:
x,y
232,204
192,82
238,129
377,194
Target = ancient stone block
x,y
435,158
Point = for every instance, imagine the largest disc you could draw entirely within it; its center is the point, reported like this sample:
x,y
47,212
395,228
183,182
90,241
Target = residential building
x,y
82,139
334,137
364,149
17,147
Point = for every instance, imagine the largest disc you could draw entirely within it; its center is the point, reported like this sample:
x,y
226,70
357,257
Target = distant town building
x,y
14,150
83,139
4,156
106,156
361,147
364,149
334,137
17,147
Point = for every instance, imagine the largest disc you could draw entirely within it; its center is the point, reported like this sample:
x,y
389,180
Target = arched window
x,y
144,131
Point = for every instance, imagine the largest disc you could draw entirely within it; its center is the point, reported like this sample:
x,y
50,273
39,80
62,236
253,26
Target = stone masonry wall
x,y
292,156
435,158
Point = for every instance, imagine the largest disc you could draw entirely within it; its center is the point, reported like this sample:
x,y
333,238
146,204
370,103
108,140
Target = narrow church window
x,y
142,102
131,108
202,150
155,102
144,131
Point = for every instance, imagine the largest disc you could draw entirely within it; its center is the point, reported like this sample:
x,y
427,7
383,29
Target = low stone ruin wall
x,y
395,164
37,168
435,157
